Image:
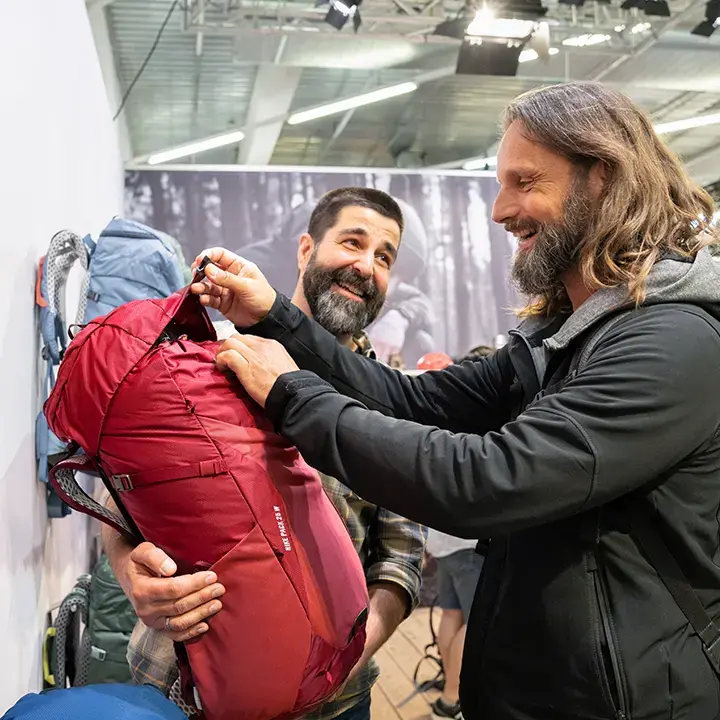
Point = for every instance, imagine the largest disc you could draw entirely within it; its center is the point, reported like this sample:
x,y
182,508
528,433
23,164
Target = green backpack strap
x,y
111,620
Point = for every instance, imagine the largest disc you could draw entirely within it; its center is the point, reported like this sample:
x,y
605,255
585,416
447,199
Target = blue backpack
x,y
109,702
130,261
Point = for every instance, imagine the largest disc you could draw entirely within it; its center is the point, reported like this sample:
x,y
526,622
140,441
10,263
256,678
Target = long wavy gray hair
x,y
649,204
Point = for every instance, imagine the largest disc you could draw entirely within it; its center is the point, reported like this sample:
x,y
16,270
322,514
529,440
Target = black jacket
x,y
570,620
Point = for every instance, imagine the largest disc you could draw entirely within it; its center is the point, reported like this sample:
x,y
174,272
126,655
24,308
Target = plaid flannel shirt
x,y
390,549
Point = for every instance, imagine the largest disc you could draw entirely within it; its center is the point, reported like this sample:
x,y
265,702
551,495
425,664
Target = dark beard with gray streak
x,y
539,269
338,314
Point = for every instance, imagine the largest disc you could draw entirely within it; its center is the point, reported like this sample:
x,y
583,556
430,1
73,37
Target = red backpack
x,y
196,468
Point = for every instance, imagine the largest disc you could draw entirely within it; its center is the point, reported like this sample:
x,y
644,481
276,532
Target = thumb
x,y
154,559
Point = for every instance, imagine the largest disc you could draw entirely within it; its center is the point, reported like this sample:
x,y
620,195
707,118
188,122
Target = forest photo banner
x,y
450,283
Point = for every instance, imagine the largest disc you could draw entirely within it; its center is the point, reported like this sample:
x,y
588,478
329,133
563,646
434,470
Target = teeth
x,y
349,289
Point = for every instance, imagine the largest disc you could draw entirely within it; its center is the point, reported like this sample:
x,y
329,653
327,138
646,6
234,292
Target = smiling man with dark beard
x,y
339,313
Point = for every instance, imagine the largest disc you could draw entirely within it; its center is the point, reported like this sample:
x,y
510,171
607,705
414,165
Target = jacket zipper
x,y
621,712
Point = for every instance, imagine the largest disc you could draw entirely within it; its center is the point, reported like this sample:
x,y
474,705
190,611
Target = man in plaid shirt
x,y
344,260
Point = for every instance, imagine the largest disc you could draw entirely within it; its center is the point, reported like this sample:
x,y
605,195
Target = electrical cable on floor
x,y
147,59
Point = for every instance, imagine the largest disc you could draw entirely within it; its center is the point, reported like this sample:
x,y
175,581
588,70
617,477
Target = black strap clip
x,y
122,483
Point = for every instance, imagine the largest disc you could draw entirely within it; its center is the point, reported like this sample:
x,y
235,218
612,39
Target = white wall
x,y
60,167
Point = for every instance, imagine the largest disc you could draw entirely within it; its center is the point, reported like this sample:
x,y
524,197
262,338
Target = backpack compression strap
x,y
62,478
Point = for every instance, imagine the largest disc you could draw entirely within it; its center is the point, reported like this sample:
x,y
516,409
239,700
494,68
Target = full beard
x,y
338,314
539,269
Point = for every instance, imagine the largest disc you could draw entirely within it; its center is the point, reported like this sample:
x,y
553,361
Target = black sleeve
x,y
472,395
646,399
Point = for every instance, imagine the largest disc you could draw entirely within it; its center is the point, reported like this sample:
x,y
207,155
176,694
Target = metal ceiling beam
x,y
398,19
249,128
310,12
343,123
97,4
271,98
645,45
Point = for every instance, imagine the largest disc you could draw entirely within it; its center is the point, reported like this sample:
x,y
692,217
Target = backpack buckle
x,y
122,483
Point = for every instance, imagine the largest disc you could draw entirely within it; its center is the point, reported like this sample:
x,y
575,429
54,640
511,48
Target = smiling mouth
x,y
526,239
354,294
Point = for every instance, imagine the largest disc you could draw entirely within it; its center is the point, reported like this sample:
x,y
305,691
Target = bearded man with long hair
x,y
587,449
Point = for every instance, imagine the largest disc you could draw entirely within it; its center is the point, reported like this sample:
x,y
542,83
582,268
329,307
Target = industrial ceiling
x,y
222,65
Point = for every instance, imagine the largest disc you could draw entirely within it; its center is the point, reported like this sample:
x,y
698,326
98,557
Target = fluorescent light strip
x,y
196,147
480,163
376,96
660,129
687,124
353,102
585,40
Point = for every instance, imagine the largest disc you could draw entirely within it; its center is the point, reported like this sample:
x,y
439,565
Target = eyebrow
x,y
387,245
354,231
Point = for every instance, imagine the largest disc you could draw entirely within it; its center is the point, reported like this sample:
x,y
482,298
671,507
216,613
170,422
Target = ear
x,y
305,249
598,177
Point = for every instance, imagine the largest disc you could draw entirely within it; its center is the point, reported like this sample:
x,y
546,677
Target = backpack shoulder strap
x,y
66,248
72,615
646,533
63,481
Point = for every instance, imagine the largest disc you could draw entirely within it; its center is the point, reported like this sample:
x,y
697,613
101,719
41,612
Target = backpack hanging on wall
x,y
66,650
129,262
87,643
196,468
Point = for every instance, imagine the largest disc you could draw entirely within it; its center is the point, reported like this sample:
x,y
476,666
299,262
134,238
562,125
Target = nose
x,y
364,265
505,207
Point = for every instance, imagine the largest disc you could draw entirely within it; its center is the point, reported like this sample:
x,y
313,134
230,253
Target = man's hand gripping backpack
x,y
197,469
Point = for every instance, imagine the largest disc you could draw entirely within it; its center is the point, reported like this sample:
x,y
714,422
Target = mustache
x,y
519,226
364,287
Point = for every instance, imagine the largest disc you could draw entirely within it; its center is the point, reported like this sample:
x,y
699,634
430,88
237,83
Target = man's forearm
x,y
116,547
388,608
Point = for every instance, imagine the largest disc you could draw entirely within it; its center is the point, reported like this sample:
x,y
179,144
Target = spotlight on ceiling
x,y
712,19
656,8
340,11
494,37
